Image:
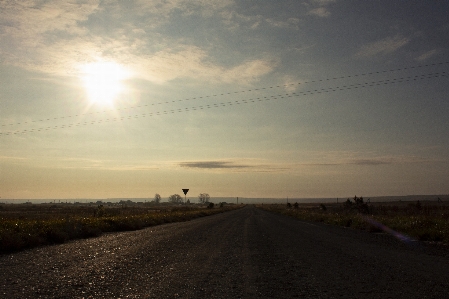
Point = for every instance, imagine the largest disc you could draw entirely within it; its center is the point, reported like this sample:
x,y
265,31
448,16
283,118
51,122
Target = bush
x,y
358,204
56,236
348,223
10,241
347,204
89,232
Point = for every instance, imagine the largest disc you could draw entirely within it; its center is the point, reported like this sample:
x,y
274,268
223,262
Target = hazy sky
x,y
306,98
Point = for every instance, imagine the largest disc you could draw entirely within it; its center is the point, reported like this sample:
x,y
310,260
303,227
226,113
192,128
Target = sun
x,y
103,82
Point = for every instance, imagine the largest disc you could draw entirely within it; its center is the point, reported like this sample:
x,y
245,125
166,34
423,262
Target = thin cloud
x,y
248,72
103,165
234,166
323,2
324,162
60,41
212,165
427,55
353,158
370,162
9,158
289,23
33,32
321,11
28,19
187,7
193,62
234,20
389,160
383,47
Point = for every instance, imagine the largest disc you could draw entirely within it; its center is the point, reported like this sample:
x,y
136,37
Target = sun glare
x,y
103,82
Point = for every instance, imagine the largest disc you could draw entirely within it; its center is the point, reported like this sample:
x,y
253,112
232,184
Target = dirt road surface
x,y
247,253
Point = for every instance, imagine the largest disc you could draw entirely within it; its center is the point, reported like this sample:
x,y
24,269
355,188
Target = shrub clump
x,y
358,204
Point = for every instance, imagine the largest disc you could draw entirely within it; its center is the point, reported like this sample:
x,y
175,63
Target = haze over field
x,y
299,99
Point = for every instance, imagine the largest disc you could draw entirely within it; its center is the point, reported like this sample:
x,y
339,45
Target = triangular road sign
x,y
185,191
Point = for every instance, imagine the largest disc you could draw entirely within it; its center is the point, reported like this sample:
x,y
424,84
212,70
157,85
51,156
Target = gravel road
x,y
246,253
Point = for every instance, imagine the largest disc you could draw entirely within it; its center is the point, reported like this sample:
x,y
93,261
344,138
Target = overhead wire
x,y
224,94
238,102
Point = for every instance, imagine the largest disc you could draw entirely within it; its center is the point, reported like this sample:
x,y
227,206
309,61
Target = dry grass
x,y
425,221
27,226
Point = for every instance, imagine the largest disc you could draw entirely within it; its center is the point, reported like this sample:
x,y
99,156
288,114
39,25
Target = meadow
x,y
25,226
418,220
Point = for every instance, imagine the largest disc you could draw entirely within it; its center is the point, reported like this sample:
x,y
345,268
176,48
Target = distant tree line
x,y
203,198
175,198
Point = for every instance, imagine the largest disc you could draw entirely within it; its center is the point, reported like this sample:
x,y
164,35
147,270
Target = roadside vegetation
x,y
420,220
30,225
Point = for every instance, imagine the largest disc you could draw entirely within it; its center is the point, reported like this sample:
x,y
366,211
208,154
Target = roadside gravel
x,y
246,253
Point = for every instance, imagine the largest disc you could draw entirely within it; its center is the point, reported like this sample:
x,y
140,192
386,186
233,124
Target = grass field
x,y
26,225
420,220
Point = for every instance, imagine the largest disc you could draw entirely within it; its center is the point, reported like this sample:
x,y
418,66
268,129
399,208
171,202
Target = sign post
x,y
185,194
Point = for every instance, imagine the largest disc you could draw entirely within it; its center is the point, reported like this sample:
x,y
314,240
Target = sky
x,y
299,99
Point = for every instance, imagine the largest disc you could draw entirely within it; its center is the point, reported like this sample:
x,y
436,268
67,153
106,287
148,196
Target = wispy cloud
x,y
382,47
326,160
56,38
212,165
234,20
32,32
245,165
187,7
289,23
22,18
368,161
193,62
319,12
323,2
79,163
427,55
291,83
9,158
319,8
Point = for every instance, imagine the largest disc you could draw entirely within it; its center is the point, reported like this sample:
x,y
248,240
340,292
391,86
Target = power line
x,y
237,102
229,93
